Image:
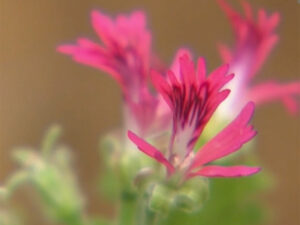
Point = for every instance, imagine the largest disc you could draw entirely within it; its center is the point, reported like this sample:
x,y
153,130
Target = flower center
x,y
189,110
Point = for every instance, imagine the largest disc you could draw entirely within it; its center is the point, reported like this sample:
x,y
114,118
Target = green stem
x,y
150,218
147,216
75,219
135,211
127,209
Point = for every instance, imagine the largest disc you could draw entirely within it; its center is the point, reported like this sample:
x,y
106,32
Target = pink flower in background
x,y
125,49
125,53
193,98
254,41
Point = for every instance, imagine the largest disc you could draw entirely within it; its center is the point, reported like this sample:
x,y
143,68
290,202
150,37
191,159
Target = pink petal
x,y
254,39
212,105
125,55
247,10
68,49
229,140
225,53
219,77
88,44
193,99
273,91
161,86
150,151
262,52
291,105
230,12
262,18
201,69
221,171
273,20
104,27
175,66
138,19
187,70
84,47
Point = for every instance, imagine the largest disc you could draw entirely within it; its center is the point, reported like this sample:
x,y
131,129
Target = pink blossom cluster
x,y
184,98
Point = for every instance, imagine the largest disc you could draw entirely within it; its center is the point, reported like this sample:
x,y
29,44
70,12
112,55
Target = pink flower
x,y
125,54
254,41
193,98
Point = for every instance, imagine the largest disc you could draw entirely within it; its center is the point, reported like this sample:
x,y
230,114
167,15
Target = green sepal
x,y
189,196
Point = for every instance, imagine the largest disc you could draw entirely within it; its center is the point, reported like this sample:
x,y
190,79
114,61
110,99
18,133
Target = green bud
x,y
188,197
50,173
192,195
142,177
50,139
27,157
13,183
161,198
125,165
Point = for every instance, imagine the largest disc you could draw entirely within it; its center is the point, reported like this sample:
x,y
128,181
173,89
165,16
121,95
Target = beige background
x,y
39,87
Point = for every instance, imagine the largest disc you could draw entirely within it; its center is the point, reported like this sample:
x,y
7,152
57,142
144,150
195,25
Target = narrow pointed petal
x,y
103,26
68,49
221,171
138,19
125,54
86,43
219,77
175,66
193,98
161,86
288,94
201,70
225,53
229,140
150,151
274,20
125,50
263,52
247,10
254,39
230,12
187,70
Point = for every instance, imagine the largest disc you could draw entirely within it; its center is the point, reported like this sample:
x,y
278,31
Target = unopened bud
x,y
188,197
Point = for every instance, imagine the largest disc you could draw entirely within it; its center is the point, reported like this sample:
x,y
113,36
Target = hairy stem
x,y
127,209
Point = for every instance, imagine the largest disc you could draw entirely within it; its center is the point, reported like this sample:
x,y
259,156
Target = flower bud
x,y
188,197
50,174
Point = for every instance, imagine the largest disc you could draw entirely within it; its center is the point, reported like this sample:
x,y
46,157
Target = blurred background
x,y
39,87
